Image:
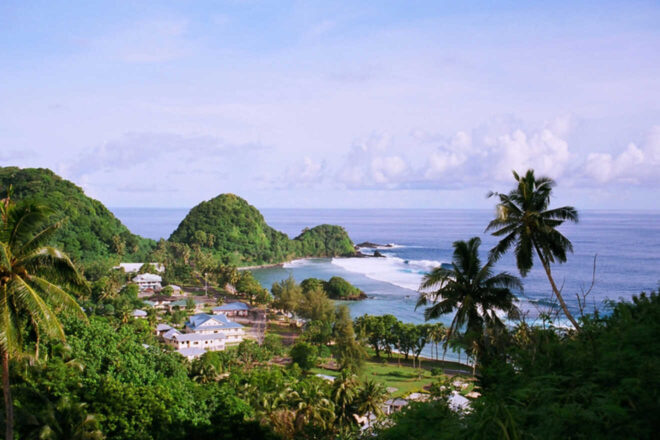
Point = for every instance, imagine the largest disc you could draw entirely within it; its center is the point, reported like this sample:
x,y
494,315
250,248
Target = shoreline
x,y
309,257
264,266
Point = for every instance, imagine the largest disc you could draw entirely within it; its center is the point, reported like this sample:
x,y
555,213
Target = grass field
x,y
403,377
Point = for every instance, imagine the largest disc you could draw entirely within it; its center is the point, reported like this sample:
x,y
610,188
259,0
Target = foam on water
x,y
295,263
407,274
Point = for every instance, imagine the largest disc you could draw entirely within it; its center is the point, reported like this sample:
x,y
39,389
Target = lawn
x,y
404,377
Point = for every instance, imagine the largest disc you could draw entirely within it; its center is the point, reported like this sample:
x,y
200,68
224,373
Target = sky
x,y
291,104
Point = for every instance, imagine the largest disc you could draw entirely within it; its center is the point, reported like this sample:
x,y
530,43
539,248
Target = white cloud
x,y
372,162
449,157
388,169
305,173
487,156
544,151
146,150
633,165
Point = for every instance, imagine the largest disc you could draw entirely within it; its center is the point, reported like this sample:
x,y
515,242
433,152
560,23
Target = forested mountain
x,y
237,232
227,226
90,232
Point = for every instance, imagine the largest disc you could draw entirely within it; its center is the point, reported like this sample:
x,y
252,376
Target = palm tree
x,y
34,279
438,334
344,390
67,420
470,290
371,397
152,316
524,221
312,407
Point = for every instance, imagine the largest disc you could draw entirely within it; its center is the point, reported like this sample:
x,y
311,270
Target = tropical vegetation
x,y
35,280
238,234
472,292
112,378
525,222
89,233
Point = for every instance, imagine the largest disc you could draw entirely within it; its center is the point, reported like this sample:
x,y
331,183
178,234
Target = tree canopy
x,y
90,232
237,232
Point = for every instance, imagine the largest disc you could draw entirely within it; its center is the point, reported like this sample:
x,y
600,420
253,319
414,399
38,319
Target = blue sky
x,y
334,104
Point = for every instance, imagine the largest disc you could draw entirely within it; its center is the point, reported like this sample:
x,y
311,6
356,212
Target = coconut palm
x,y
343,393
438,334
66,420
312,407
371,397
470,290
34,279
525,222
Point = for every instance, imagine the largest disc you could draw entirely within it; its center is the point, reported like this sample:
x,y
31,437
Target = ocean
x,y
626,246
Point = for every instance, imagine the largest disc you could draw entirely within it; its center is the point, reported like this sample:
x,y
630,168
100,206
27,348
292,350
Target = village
x,y
215,323
208,327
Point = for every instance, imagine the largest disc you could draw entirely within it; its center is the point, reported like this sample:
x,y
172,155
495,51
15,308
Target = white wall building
x,y
205,332
148,280
135,267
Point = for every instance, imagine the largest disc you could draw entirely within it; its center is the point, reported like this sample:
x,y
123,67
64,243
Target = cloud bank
x,y
482,158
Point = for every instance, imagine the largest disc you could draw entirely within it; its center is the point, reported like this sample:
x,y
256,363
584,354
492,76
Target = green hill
x,y
91,232
238,233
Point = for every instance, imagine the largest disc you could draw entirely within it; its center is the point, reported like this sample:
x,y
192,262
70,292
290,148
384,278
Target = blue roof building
x,y
232,309
203,332
205,322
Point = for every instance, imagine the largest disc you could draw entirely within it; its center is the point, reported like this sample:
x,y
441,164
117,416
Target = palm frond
x,y
36,307
565,213
59,297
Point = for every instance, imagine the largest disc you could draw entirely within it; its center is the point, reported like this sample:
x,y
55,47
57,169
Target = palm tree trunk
x,y
9,406
560,298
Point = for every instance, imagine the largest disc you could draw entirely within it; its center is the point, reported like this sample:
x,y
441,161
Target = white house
x,y
205,332
458,403
161,329
176,290
137,313
393,405
135,267
148,281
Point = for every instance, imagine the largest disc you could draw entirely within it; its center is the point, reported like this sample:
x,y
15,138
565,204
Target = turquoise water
x,y
626,245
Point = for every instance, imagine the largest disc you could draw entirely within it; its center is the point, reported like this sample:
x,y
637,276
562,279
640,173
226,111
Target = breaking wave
x,y
407,274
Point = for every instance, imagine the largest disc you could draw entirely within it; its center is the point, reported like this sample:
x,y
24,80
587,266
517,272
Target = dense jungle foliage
x,y
90,233
545,383
227,226
237,232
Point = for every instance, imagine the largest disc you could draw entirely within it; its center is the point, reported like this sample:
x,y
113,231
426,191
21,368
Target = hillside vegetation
x,y
90,232
236,232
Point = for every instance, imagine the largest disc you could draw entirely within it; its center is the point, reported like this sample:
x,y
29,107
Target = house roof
x,y
163,327
149,303
182,303
147,278
196,322
187,337
191,351
134,267
231,307
458,402
170,333
396,402
138,312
